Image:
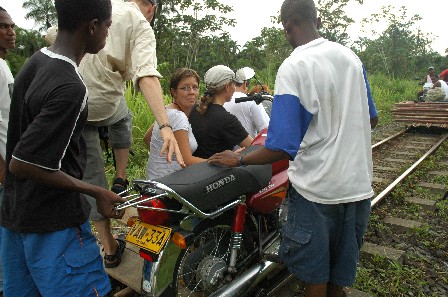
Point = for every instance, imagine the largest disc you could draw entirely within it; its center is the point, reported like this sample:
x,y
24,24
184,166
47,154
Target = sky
x,y
252,15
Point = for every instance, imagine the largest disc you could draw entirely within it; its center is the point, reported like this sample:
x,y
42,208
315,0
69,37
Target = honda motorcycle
x,y
209,230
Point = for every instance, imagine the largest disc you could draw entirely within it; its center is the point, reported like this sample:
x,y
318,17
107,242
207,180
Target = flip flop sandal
x,y
111,261
119,185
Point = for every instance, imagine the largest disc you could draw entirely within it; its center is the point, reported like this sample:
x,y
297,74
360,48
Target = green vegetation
x,y
389,278
381,277
387,91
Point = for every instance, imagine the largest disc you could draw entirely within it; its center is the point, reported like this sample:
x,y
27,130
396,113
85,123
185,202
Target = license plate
x,y
148,237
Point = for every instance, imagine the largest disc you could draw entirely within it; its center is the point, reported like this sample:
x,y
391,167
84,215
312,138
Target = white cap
x,y
244,74
218,76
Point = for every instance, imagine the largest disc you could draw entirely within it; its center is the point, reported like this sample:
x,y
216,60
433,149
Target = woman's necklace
x,y
177,106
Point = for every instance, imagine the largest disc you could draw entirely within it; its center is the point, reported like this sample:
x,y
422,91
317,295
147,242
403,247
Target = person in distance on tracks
x,y
436,93
426,82
444,75
322,124
48,246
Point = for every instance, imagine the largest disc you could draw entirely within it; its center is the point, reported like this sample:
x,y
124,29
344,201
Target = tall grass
x,y
142,119
386,92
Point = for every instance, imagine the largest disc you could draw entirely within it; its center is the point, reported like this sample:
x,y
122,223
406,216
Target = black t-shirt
x,y
215,131
48,113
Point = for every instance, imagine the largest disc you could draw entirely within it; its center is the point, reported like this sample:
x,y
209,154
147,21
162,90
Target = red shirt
x,y
444,75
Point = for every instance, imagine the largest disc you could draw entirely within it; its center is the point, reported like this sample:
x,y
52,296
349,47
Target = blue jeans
x,y
321,242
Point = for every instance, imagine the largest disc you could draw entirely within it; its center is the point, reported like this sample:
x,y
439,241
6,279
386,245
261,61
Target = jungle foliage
x,y
191,33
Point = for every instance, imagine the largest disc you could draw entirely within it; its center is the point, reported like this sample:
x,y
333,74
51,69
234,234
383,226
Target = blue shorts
x,y
57,264
321,242
2,192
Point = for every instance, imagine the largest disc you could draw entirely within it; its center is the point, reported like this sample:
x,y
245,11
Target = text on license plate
x,y
148,237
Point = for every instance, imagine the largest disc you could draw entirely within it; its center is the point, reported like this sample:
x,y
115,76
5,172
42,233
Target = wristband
x,y
240,160
165,125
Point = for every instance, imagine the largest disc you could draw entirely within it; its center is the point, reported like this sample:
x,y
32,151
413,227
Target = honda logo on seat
x,y
219,183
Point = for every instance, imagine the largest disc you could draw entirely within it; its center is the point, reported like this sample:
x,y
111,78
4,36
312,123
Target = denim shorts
x,y
321,242
58,264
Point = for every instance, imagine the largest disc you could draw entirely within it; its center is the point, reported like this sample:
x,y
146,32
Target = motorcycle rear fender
x,y
162,272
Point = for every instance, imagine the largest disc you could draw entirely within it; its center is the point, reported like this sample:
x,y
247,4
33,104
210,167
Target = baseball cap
x,y
244,74
430,68
218,76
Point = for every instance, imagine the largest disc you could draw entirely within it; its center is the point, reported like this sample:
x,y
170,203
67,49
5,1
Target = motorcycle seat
x,y
208,186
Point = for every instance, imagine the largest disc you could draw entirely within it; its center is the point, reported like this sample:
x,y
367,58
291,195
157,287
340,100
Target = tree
x,y
42,12
27,43
401,50
266,52
334,20
182,27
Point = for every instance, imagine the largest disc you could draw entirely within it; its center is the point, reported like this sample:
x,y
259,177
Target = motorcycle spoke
x,y
218,242
212,246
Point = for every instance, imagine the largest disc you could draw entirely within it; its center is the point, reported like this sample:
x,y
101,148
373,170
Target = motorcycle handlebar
x,y
244,99
258,98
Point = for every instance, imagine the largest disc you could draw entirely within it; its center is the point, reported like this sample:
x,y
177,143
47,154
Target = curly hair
x,y
208,98
72,13
297,11
258,89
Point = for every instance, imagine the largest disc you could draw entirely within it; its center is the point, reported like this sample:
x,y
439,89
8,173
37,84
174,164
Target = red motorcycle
x,y
205,230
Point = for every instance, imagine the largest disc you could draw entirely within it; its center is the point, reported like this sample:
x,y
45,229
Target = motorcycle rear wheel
x,y
202,266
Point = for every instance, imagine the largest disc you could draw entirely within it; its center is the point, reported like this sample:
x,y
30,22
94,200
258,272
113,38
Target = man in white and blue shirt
x,y
321,120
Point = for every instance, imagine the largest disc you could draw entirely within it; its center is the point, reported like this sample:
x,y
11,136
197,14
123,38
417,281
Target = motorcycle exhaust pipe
x,y
245,282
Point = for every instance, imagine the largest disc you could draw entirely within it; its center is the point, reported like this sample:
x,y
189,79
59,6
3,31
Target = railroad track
x,y
394,159
399,155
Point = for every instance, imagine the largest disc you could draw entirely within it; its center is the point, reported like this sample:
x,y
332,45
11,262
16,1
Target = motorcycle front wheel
x,y
202,268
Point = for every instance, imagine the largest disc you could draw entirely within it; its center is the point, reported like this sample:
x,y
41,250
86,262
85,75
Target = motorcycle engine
x,y
210,273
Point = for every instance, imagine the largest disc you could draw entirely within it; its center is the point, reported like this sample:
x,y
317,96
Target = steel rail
x,y
389,138
407,172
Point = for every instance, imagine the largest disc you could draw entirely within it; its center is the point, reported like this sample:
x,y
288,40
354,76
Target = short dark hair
x,y
2,9
298,11
180,74
72,13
